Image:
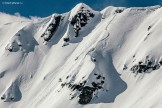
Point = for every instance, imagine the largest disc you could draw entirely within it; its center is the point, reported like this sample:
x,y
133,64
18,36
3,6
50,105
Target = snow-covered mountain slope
x,y
82,59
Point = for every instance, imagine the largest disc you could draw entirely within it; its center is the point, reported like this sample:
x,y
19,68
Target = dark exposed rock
x,y
86,95
140,62
66,39
2,98
84,82
91,15
19,45
51,29
95,74
119,10
144,67
60,80
65,44
72,97
156,67
149,63
62,85
93,59
125,67
86,92
99,87
77,33
94,84
77,87
80,20
67,77
102,82
149,28
69,85
160,62
12,98
10,49
98,77
148,34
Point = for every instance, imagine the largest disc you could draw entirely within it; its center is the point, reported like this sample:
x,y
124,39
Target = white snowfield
x,y
82,59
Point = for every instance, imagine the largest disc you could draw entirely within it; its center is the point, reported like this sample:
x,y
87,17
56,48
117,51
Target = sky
x,y
44,8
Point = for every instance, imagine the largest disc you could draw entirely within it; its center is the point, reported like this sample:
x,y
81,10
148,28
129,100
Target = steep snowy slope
x,y
82,59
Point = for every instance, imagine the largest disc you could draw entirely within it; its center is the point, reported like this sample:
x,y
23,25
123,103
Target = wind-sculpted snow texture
x,y
82,59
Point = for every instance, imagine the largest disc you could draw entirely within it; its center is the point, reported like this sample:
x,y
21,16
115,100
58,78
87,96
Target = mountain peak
x,y
80,7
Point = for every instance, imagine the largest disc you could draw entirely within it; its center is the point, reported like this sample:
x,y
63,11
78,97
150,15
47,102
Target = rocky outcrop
x,y
86,92
147,66
51,29
80,19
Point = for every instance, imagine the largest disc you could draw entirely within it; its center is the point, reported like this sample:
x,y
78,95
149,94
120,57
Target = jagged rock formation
x,y
80,19
86,92
52,27
146,67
